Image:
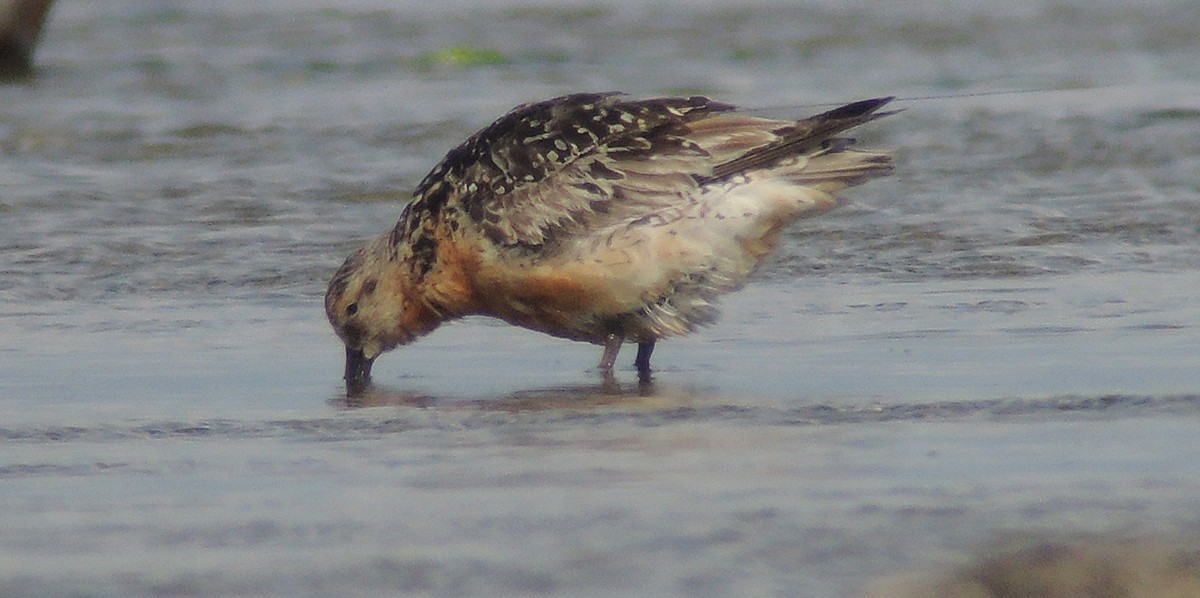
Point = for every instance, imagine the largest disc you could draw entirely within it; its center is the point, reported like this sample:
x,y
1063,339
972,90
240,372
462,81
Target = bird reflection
x,y
608,392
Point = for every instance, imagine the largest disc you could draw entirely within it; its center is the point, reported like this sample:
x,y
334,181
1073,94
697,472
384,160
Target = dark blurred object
x,y
20,26
1071,567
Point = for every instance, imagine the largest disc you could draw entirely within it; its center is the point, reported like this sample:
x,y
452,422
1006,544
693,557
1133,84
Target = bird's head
x,y
371,309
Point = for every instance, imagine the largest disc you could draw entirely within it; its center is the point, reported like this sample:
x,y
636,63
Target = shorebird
x,y
596,218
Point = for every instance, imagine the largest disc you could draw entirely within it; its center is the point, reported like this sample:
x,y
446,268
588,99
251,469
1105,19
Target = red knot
x,y
597,218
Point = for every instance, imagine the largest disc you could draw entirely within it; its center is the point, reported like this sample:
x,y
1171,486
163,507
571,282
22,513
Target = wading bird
x,y
595,218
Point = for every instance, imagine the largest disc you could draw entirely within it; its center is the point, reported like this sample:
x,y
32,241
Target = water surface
x,y
1002,336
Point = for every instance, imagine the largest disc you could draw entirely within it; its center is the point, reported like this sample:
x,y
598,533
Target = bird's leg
x,y
612,346
642,362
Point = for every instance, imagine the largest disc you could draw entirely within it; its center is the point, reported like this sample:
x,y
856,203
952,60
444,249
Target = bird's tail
x,y
814,139
836,168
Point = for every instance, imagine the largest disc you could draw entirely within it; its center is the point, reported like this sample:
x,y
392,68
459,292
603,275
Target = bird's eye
x,y
351,309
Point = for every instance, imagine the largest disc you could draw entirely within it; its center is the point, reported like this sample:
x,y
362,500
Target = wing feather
x,y
556,165
549,170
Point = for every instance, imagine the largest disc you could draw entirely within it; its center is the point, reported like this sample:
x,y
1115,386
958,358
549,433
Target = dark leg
x,y
643,357
612,346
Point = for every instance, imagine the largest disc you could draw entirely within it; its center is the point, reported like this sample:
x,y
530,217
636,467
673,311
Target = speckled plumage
x,y
597,218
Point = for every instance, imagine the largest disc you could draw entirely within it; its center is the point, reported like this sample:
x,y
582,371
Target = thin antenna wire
x,y
946,96
976,94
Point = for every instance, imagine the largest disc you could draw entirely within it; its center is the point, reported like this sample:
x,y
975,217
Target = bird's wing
x,y
551,166
551,169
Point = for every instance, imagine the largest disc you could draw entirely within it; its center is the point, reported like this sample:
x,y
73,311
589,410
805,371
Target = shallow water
x,y
1003,336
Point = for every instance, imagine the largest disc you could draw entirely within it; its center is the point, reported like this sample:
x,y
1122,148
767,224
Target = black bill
x,y
358,371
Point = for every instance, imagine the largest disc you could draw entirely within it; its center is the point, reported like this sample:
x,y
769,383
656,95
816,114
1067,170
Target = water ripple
x,y
394,414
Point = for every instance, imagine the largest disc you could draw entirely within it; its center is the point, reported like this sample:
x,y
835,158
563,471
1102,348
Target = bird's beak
x,y
358,371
